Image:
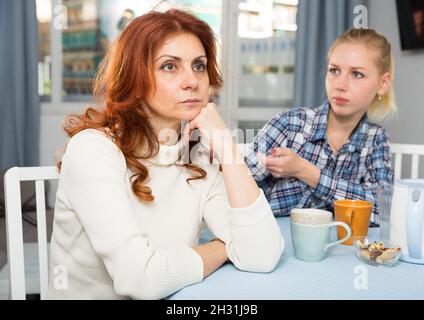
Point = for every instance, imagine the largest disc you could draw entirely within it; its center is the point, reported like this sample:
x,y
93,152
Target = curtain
x,y
19,100
319,23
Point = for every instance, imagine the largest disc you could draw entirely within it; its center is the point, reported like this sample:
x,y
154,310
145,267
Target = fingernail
x,y
273,151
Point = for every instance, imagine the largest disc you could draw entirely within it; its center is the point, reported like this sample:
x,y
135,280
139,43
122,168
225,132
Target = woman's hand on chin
x,y
213,129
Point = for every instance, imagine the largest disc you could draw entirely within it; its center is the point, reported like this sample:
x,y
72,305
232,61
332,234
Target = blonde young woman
x,y
128,212
310,157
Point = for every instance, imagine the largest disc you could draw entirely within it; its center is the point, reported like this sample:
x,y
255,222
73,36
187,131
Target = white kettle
x,y
407,219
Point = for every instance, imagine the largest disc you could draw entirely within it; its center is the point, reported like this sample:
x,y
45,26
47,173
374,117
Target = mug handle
x,y
350,214
341,224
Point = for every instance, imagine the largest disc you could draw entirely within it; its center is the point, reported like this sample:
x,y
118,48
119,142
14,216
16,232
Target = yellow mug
x,y
356,214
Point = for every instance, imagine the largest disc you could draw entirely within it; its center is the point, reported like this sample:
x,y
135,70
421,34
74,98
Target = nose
x,y
189,79
341,83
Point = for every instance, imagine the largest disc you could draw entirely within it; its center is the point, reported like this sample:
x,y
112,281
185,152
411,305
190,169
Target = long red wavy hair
x,y
124,79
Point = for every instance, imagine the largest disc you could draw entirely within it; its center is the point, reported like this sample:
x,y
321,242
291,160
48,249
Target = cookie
x,y
376,252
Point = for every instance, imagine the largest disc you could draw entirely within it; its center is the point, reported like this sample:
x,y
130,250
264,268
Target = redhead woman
x,y
129,207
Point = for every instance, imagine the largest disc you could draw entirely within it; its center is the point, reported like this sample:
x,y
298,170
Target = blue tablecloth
x,y
340,276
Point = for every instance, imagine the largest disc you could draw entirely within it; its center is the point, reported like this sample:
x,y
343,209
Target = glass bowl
x,y
376,252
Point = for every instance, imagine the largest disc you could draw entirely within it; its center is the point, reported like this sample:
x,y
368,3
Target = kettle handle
x,y
414,222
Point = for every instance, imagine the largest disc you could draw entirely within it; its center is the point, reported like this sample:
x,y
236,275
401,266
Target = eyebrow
x,y
178,58
353,68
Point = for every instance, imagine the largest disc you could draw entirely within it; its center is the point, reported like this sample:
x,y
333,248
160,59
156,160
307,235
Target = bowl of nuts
x,y
376,252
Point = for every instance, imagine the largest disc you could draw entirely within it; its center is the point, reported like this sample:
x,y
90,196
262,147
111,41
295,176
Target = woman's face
x,y
353,80
182,81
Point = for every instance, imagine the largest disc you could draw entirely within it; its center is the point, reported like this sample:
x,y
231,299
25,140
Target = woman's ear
x,y
385,84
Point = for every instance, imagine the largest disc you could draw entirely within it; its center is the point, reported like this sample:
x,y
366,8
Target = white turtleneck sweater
x,y
106,244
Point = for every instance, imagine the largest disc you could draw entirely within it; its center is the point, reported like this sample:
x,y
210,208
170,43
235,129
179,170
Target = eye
x,y
358,75
168,67
333,71
199,67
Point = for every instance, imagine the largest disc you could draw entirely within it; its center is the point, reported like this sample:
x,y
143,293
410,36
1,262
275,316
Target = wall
x,y
409,76
408,127
53,138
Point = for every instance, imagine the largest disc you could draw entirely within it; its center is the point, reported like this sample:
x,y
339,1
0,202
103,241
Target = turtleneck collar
x,y
170,154
167,155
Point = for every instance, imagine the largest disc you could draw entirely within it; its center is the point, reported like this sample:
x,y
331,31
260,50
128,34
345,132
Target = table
x,y
340,276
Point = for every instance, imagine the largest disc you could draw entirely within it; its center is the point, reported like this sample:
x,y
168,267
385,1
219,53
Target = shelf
x,y
250,7
286,27
287,2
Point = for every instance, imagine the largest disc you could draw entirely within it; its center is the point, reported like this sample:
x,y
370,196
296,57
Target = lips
x,y
191,102
340,100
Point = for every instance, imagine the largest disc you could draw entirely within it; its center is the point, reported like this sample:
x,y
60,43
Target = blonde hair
x,y
384,109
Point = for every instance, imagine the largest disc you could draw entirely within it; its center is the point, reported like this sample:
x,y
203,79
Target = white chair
x,y
398,150
14,235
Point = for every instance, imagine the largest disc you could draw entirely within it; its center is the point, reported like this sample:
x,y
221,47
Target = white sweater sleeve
x,y
252,236
94,179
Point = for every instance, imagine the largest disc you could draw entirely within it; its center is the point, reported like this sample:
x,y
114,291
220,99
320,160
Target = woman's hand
x,y
234,169
214,130
284,163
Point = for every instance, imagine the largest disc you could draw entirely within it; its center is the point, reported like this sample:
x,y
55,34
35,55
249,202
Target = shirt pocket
x,y
354,171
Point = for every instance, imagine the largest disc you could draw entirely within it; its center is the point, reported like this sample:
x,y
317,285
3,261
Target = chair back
x,y
14,234
398,150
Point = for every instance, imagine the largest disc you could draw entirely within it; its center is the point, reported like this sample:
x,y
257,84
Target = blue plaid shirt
x,y
360,166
